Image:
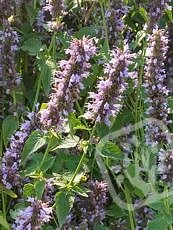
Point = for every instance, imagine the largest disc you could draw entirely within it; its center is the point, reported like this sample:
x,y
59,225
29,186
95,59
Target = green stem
x,y
129,204
4,204
35,4
37,93
78,168
46,153
104,24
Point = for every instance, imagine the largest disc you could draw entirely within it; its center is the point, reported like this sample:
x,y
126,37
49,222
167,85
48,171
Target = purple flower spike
x,y
34,216
9,78
107,102
154,85
88,210
11,159
68,83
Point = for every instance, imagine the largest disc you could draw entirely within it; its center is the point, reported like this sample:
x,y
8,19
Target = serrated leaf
x,y
28,190
75,123
47,69
81,191
9,126
35,141
68,142
63,204
33,46
39,188
4,223
32,13
111,150
160,223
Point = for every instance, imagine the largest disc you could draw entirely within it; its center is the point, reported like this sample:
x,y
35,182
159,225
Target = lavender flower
x,y
11,158
88,210
34,216
115,24
107,102
68,83
156,11
165,165
155,88
51,13
9,78
48,194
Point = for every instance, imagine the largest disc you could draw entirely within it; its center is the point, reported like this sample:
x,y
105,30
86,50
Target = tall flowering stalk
x,y
156,11
34,216
11,159
68,83
154,85
107,102
51,13
115,24
165,165
9,78
88,210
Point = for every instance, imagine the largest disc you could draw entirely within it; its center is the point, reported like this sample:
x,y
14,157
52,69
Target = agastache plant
x,y
9,77
89,210
51,13
115,23
156,11
165,165
107,101
11,159
157,104
34,216
68,82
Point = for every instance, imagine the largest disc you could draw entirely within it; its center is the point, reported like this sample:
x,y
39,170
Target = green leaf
x,y
68,142
32,13
33,46
39,188
18,207
47,69
160,223
75,123
87,31
35,141
100,227
9,126
9,192
81,191
48,163
28,190
63,204
4,223
111,150
115,211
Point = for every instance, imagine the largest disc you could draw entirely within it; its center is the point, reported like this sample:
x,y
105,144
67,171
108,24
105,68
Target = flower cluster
x,y
143,215
48,191
107,102
34,216
88,210
115,24
9,78
68,83
51,13
156,90
156,11
165,165
11,159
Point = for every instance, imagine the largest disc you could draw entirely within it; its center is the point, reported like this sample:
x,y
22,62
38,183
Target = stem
x,y
129,204
104,24
37,92
35,4
46,153
78,168
4,204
